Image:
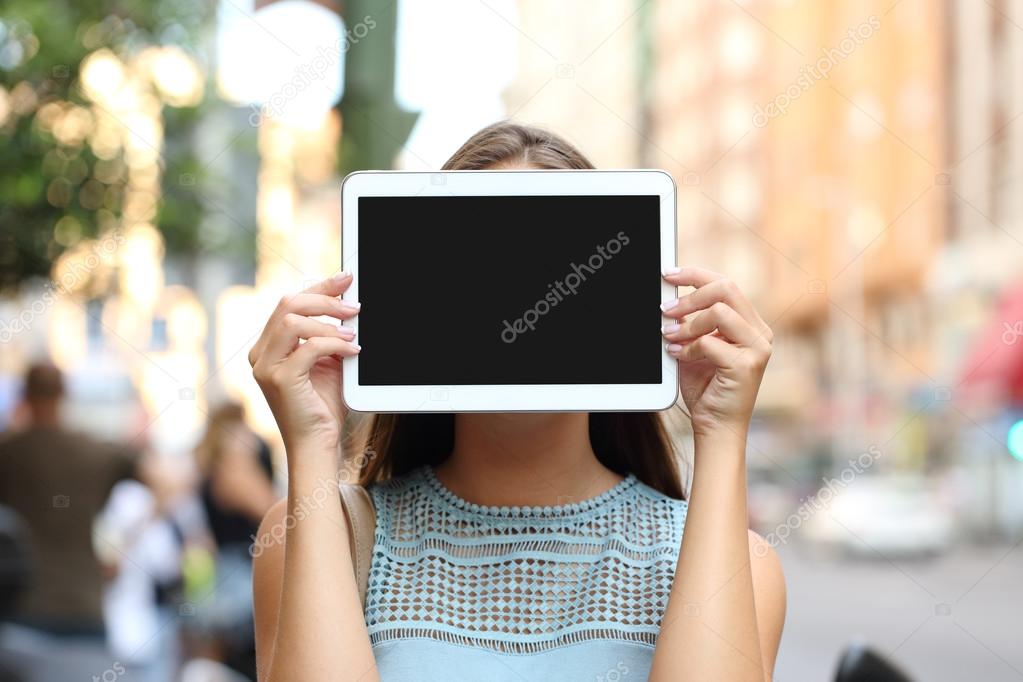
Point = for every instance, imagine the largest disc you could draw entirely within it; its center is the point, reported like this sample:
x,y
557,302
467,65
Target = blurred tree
x,y
58,185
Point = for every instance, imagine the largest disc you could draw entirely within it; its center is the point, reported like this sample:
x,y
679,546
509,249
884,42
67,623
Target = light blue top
x,y
458,591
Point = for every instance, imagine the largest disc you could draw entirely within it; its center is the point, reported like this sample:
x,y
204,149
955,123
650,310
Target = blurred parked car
x,y
887,516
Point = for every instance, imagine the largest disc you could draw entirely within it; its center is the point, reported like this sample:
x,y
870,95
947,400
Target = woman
x,y
235,491
520,546
237,477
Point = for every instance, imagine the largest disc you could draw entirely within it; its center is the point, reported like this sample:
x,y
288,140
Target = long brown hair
x,y
209,450
625,442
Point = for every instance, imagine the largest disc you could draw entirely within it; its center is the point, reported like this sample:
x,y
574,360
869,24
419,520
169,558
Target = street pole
x,y
373,127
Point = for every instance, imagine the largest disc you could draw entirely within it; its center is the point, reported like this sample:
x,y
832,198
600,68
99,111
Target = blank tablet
x,y
509,290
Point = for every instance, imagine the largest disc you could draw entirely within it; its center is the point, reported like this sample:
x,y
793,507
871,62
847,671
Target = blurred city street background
x,y
170,168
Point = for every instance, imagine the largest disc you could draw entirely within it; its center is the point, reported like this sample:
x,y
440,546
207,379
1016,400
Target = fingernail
x,y
673,348
667,305
354,305
346,330
357,347
342,275
670,328
672,271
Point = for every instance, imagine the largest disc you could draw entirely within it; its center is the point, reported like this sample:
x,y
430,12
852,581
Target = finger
x,y
691,277
719,316
719,290
319,304
307,303
306,355
332,286
292,328
715,350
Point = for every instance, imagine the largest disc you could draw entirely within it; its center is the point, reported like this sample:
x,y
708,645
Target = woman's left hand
x,y
722,346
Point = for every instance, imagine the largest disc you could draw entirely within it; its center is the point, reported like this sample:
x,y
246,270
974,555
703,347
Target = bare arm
x,y
309,620
727,605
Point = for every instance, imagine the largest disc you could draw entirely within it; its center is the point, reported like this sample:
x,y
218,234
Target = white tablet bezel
x,y
505,398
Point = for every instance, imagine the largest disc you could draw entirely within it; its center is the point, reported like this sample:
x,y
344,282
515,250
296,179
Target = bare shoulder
x,y
268,544
768,577
765,561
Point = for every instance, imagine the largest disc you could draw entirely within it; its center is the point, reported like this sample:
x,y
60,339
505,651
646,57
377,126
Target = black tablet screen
x,y
509,290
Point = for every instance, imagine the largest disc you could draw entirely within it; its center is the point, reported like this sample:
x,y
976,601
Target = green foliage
x,y
50,195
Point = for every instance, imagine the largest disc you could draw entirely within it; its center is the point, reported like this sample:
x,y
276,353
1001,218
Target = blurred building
x,y
297,243
984,247
976,283
579,68
809,142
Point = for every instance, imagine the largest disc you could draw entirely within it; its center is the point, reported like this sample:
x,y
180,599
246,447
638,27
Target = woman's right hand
x,y
302,380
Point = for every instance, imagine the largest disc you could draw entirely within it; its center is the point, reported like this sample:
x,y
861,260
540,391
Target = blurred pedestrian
x,y
237,477
236,490
58,480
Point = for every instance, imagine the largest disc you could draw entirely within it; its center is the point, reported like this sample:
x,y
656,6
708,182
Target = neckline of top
x,y
548,511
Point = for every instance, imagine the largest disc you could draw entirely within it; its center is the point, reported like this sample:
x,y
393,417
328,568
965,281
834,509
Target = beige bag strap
x,y
362,522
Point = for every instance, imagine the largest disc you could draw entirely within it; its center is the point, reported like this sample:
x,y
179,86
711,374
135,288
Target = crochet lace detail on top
x,y
520,579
